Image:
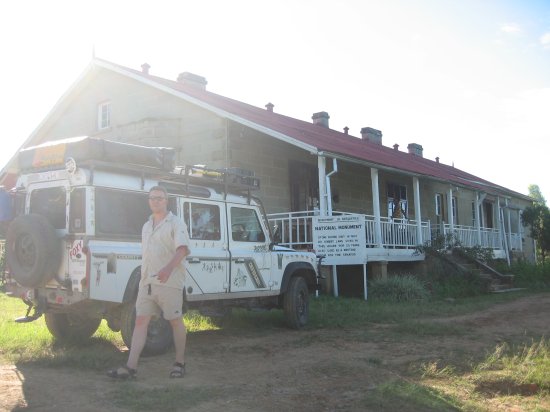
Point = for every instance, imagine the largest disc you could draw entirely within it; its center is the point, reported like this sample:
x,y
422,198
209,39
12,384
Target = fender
x,y
294,267
130,293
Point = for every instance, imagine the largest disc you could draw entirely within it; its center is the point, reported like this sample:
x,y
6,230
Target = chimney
x,y
145,68
321,119
437,159
396,147
415,149
346,130
193,80
270,107
371,135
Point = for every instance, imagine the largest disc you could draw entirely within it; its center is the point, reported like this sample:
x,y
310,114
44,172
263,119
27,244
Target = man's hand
x,y
164,274
167,270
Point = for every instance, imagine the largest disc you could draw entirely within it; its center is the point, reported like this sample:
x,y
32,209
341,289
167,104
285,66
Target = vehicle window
x,y
77,211
51,203
245,226
120,213
202,220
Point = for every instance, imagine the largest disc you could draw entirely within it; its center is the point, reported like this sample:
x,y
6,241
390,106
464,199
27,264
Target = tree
x,y
536,195
538,218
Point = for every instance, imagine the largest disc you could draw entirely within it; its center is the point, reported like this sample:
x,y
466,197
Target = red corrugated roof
x,y
328,140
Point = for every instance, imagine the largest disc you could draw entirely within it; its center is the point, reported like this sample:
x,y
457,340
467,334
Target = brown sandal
x,y
178,370
123,373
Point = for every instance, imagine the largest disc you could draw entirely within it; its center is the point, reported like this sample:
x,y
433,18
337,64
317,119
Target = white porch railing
x,y
468,236
296,230
490,238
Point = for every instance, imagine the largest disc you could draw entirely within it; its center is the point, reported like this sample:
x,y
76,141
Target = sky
x,y
469,80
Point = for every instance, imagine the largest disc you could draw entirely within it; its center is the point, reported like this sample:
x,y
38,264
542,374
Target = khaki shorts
x,y
163,299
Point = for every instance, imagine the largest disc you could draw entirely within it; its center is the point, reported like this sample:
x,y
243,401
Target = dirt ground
x,y
284,370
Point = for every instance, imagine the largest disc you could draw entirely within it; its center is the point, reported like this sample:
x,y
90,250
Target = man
x,y
165,243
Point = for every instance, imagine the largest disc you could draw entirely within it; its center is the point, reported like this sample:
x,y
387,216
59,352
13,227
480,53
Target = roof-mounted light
x,y
70,165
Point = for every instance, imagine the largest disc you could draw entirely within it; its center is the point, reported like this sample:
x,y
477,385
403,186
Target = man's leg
x,y
139,338
180,338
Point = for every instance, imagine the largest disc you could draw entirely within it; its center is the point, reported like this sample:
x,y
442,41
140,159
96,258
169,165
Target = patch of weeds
x,y
402,288
492,388
527,364
409,396
166,398
434,370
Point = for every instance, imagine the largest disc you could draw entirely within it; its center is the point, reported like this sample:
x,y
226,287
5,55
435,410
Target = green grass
x,y
327,312
165,398
32,342
409,396
523,364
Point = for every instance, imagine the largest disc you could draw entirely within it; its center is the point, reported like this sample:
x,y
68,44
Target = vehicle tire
x,y
296,303
33,250
71,327
159,334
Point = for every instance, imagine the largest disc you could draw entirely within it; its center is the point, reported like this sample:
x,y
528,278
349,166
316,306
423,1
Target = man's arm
x,y
167,270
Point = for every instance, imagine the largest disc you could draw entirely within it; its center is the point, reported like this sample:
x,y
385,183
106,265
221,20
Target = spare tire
x,y
33,250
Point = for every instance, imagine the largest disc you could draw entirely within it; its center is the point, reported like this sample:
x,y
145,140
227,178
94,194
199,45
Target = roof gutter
x,y
493,191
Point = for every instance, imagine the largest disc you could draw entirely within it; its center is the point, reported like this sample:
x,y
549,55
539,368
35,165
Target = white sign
x,y
342,239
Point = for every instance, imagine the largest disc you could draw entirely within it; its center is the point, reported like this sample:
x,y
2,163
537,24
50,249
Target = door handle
x,y
193,260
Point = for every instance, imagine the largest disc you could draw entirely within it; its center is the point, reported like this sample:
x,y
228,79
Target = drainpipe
x,y
321,166
329,190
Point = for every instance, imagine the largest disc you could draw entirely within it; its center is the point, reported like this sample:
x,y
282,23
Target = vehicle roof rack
x,y
227,180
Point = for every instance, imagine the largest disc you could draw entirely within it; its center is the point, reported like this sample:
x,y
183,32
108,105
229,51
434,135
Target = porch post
x,y
509,224
478,221
500,224
520,231
322,172
450,211
376,206
417,214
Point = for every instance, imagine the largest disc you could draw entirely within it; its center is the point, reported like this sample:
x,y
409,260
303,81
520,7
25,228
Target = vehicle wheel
x,y
33,250
159,333
71,327
296,303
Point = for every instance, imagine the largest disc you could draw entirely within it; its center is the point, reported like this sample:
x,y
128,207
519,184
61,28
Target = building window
x,y
104,115
397,201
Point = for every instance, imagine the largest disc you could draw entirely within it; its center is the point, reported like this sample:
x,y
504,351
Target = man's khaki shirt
x,y
159,246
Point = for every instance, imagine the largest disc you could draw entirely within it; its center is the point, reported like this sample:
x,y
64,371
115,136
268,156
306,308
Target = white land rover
x,y
74,251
